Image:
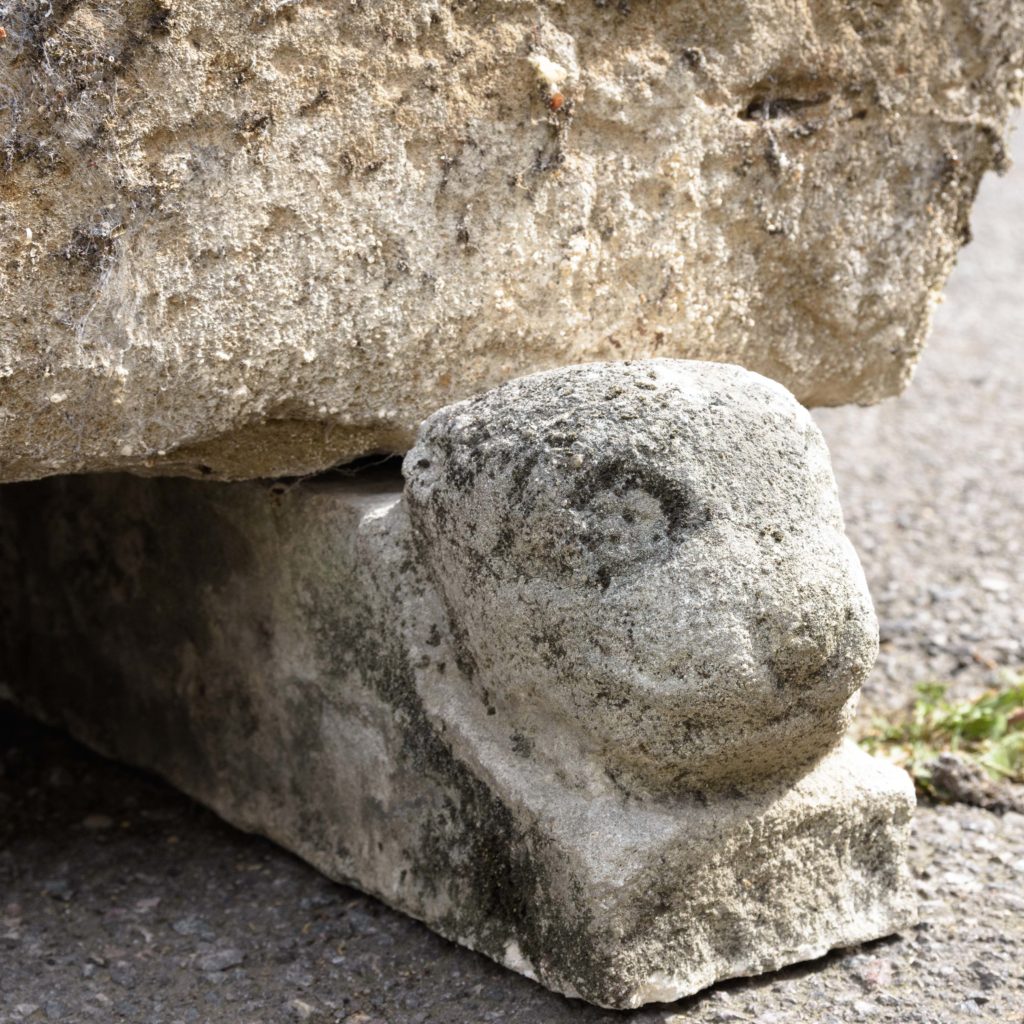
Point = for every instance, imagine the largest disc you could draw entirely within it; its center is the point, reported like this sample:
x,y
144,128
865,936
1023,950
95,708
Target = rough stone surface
x,y
245,239
164,879
313,661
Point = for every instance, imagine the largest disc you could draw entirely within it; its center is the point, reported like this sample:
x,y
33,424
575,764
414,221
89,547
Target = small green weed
x,y
987,731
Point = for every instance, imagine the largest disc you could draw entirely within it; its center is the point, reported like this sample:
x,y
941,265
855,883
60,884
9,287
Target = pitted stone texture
x,y
254,239
622,777
651,558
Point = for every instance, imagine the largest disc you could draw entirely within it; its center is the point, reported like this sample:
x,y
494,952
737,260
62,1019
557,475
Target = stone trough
x,y
247,238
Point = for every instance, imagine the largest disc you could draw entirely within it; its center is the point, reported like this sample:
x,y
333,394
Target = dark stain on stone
x,y
619,474
772,108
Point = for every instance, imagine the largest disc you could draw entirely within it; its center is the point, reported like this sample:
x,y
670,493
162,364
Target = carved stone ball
x,y
644,566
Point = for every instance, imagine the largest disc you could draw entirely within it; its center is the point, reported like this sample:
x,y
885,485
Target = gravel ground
x,y
121,900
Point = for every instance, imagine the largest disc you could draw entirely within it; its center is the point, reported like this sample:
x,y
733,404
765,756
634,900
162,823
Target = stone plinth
x,y
573,693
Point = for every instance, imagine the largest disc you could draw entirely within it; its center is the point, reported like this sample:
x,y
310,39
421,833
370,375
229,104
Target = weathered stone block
x,y
574,694
257,238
